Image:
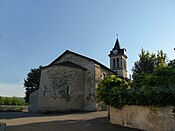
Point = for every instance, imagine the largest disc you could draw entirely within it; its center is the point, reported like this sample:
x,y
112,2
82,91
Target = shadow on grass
x,y
97,124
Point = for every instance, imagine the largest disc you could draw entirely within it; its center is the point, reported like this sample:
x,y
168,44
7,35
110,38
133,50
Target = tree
x,y
113,90
32,81
159,87
160,59
172,63
146,64
148,61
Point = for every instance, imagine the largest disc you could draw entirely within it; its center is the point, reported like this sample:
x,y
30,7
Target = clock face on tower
x,y
115,51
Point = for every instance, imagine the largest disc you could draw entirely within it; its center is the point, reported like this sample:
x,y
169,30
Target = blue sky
x,y
35,32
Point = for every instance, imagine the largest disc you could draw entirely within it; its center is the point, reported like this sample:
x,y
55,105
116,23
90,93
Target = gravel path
x,y
89,121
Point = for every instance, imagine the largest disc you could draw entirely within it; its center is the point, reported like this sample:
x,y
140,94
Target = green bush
x,y
2,100
18,101
12,101
8,101
113,91
156,89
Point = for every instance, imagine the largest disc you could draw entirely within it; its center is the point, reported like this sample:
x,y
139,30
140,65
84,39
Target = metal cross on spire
x,y
117,35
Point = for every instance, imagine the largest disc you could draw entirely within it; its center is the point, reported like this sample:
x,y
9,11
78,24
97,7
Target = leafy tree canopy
x,y
146,64
172,63
148,61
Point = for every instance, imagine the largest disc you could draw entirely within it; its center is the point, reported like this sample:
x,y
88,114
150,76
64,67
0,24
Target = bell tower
x,y
118,59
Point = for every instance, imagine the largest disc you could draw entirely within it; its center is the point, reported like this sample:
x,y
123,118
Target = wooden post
x,y
2,126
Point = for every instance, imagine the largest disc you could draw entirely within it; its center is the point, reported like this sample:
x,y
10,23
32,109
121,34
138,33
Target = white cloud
x,y
12,90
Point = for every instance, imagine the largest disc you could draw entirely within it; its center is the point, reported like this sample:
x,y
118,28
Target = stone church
x,y
69,83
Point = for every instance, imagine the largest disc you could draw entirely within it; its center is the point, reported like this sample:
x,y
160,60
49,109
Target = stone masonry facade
x,y
68,84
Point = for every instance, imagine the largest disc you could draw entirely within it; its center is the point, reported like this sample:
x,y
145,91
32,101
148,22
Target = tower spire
x,y
118,59
117,44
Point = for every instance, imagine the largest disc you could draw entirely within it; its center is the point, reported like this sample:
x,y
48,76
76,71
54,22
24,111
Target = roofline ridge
x,y
95,61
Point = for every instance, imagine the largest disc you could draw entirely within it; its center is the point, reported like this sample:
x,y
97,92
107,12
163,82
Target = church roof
x,y
96,62
117,44
66,63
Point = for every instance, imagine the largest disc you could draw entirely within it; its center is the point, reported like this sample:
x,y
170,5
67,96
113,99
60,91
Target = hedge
x,y
12,101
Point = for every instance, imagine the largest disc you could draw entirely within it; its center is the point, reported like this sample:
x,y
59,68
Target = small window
x,y
44,90
67,91
103,75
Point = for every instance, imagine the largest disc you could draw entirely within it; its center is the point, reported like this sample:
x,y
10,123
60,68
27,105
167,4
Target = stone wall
x,y
146,118
33,101
100,74
90,104
61,89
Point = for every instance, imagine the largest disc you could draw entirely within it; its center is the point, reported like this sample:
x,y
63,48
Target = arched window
x,y
113,62
103,75
117,62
